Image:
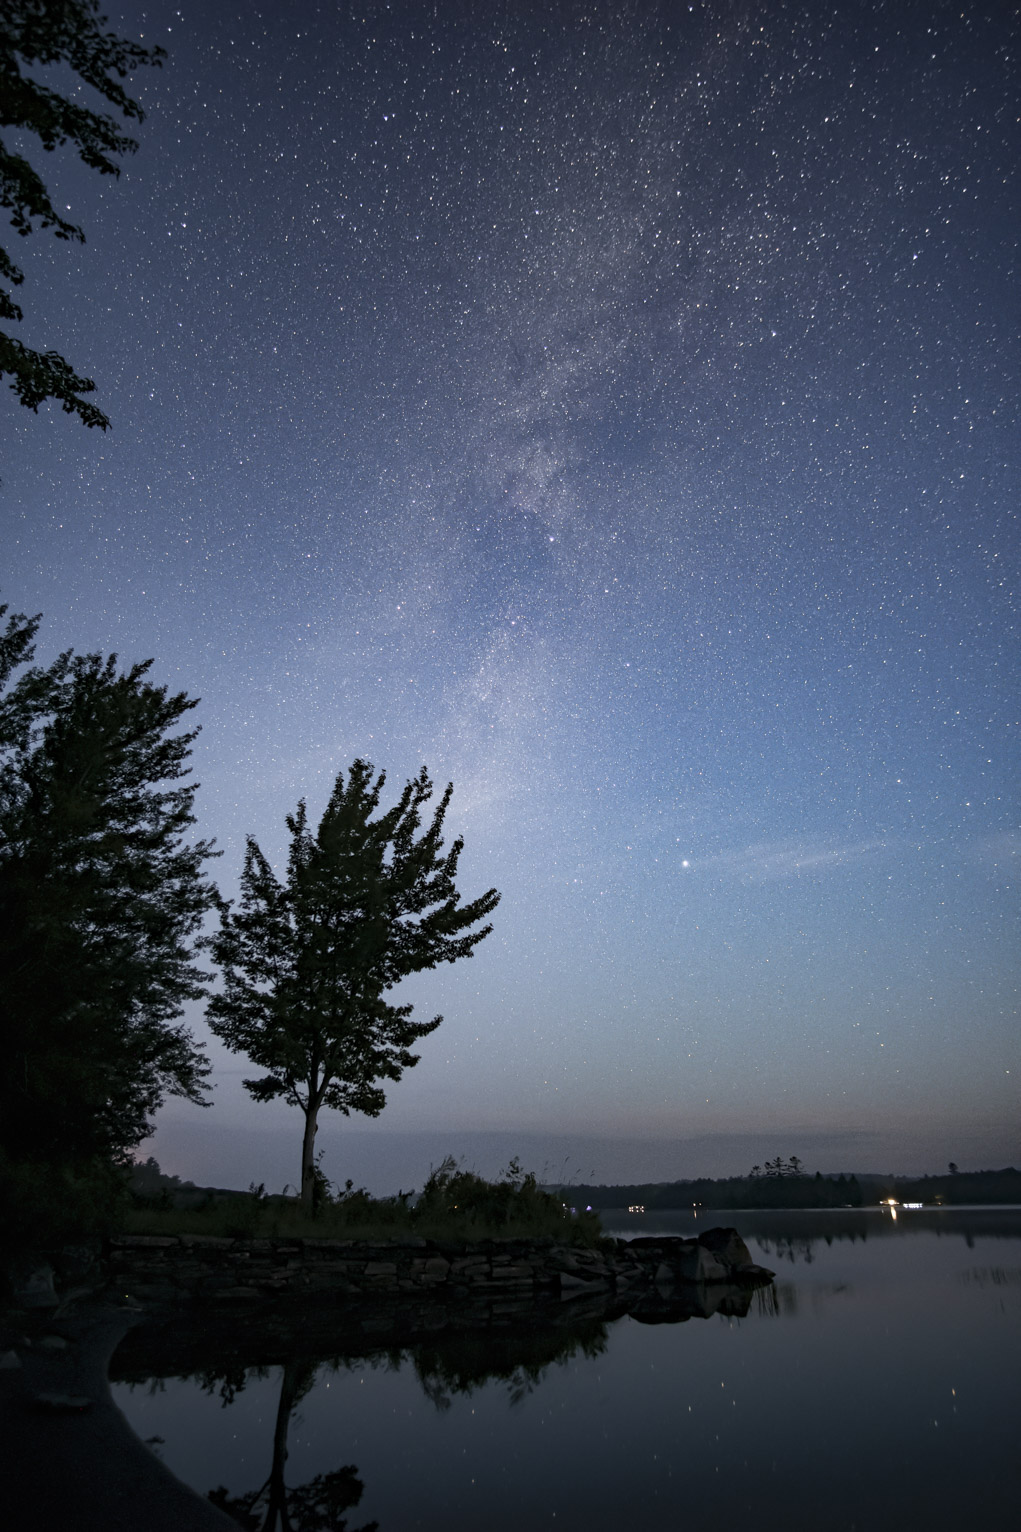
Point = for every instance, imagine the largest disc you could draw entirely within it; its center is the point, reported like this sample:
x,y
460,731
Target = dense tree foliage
x,y
101,895
46,32
307,961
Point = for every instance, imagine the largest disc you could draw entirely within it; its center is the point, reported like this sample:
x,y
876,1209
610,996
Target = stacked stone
x,y
204,1268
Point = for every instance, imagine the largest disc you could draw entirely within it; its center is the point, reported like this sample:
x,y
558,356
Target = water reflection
x,y
883,1348
515,1350
786,1249
463,1363
511,1350
803,1229
450,1350
796,1236
993,1276
658,1306
322,1504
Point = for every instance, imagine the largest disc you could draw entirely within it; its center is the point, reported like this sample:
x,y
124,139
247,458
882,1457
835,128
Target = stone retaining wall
x,y
192,1268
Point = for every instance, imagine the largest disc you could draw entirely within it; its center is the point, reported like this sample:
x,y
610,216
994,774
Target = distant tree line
x,y
756,1190
961,1188
787,1190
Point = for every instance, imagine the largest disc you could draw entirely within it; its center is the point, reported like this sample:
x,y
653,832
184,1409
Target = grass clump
x,y
455,1205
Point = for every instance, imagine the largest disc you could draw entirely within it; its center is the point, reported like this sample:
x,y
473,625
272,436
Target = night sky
x,y
613,407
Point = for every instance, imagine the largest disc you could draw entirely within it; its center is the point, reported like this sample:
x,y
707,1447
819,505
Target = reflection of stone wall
x,y
205,1269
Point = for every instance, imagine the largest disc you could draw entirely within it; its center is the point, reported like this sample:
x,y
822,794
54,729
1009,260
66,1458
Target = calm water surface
x,y
876,1384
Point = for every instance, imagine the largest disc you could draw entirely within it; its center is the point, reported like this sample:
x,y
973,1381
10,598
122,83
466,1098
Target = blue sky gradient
x,y
614,408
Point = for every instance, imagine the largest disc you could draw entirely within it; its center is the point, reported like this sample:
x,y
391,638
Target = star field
x,y
612,406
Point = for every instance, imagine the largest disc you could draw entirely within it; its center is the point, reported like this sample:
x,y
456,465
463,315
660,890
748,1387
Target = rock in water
x,y
697,1263
728,1247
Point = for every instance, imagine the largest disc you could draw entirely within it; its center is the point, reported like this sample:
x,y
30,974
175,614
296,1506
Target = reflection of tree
x,y
784,1247
319,1505
228,1382
992,1276
462,1362
446,1364
767,1301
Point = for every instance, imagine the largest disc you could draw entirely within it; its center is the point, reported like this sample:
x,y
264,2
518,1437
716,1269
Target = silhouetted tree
x,y
100,895
778,1168
306,962
47,32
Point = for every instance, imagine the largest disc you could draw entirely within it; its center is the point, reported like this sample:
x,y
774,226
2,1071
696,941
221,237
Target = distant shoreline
x,y
707,1210
792,1192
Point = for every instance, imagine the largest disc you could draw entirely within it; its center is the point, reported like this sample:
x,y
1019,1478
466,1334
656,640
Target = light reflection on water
x,y
875,1384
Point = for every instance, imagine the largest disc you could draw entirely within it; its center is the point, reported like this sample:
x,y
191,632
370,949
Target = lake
x,y
875,1384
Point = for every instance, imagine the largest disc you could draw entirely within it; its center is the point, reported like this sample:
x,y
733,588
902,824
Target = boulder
x,y
696,1263
34,1289
571,1282
753,1273
728,1247
435,1268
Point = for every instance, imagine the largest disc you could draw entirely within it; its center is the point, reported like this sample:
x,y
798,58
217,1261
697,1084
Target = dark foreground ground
x,y
83,1469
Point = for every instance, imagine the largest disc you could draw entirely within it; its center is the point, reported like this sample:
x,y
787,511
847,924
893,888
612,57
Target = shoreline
x,y
84,1467
170,1270
79,1464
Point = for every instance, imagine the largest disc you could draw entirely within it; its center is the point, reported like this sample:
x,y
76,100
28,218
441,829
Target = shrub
x,y
465,1203
44,1206
455,1204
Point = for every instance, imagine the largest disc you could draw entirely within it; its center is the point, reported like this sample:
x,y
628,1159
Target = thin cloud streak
x,y
767,861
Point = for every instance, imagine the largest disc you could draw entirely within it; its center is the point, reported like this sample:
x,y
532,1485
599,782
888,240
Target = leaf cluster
x,y
318,1506
101,895
36,33
307,960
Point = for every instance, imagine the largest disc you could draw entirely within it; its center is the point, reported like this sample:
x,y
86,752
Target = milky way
x,y
614,407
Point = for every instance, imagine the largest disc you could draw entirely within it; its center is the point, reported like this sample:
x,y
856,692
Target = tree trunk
x,y
308,1158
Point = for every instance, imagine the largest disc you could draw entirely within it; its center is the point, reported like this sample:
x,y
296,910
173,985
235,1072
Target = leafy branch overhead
x,y
36,33
307,961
